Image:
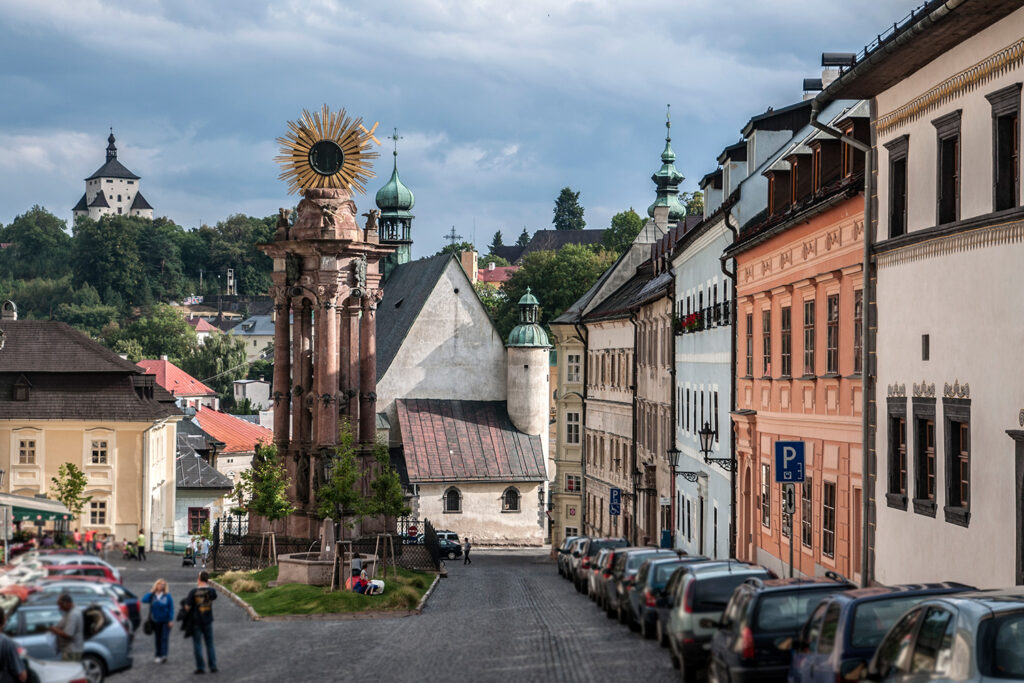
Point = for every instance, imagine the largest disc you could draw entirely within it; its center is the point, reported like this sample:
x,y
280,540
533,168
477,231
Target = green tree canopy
x,y
262,489
69,488
39,246
491,258
496,242
162,331
626,225
524,238
557,279
491,296
217,362
694,202
457,248
232,244
568,212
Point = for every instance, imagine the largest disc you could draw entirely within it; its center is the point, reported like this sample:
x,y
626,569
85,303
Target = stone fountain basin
x,y
312,569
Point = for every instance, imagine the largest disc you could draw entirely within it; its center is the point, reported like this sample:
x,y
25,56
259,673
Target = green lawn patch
x,y
296,598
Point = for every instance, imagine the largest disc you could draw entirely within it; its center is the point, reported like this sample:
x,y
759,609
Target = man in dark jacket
x,y
199,608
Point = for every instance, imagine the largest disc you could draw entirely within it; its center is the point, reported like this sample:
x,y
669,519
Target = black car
x,y
563,555
649,592
753,638
449,549
588,554
623,578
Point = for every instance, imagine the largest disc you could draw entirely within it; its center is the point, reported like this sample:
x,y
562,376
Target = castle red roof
x,y
201,325
238,435
174,379
497,275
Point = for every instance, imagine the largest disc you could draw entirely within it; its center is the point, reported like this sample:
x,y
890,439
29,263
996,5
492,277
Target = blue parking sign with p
x,y
789,462
615,501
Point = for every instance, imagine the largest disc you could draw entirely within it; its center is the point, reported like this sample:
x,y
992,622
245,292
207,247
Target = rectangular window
x,y
806,510
957,415
959,491
948,132
687,421
1006,147
858,330
809,337
750,345
828,519
816,169
715,415
714,535
832,336
847,158
898,185
27,452
572,367
196,518
571,531
97,513
787,342
572,483
766,495
572,428
766,343
926,459
99,452
898,455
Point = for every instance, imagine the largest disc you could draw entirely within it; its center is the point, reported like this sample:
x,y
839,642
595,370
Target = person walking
x,y
70,630
161,616
12,667
466,545
142,545
204,550
199,608
78,538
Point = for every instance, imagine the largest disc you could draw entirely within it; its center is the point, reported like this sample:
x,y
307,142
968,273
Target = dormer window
x,y
22,389
816,170
794,170
848,153
771,195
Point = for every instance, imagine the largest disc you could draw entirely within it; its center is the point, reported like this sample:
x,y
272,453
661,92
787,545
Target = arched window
x,y
510,500
452,500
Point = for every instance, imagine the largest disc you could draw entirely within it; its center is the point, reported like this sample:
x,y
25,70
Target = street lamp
x,y
673,458
707,440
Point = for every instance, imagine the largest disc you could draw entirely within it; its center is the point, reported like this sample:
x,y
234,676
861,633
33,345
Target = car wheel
x,y
689,675
634,625
622,615
646,631
659,633
94,669
451,555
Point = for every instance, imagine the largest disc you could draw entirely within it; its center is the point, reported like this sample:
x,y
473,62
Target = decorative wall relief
x,y
785,259
833,239
957,390
766,266
810,248
924,390
897,391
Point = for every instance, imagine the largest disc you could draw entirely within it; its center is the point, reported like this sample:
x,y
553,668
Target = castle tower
x,y
395,202
666,207
112,190
528,372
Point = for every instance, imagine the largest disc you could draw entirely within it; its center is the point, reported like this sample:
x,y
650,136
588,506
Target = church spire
x,y
111,147
667,178
395,202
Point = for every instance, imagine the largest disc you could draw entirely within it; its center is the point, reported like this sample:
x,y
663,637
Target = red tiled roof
x,y
238,435
201,325
499,274
174,379
466,441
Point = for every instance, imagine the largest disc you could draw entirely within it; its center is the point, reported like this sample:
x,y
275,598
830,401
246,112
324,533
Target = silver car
x,y
976,637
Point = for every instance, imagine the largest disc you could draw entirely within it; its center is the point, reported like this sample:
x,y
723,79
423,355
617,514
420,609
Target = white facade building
x,y
112,190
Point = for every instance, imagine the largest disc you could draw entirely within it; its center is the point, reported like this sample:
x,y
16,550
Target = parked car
x,y
450,549
973,636
107,645
41,671
588,551
606,577
697,593
760,616
73,560
87,587
448,536
574,557
34,555
649,590
845,629
563,555
624,575
594,575
95,571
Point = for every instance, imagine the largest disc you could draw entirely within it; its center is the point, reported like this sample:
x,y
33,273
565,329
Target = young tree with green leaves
x,y
626,225
39,247
496,242
262,489
568,212
162,331
340,497
457,248
694,202
69,488
524,238
218,362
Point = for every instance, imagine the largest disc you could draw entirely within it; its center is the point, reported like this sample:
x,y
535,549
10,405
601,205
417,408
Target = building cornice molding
x,y
942,241
970,78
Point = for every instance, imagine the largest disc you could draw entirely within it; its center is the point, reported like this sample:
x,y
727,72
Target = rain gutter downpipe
x,y
633,454
867,377
732,384
581,334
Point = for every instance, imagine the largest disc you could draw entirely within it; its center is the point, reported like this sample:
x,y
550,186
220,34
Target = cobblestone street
x,y
508,616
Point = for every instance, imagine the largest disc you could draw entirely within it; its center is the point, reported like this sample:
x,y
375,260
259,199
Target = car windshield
x,y
873,619
663,571
712,594
787,611
634,560
595,546
1000,654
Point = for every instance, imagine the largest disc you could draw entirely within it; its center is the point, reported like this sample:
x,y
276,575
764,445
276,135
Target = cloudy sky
x,y
500,104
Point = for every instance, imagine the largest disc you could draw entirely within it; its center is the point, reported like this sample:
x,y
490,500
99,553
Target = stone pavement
x,y
507,616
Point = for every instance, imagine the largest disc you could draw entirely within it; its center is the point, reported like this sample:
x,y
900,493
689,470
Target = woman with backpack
x,y
161,616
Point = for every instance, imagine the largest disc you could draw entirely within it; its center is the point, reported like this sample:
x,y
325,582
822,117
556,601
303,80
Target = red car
x,y
95,572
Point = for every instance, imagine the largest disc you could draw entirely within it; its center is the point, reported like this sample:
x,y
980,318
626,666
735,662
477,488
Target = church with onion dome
x,y
112,190
465,412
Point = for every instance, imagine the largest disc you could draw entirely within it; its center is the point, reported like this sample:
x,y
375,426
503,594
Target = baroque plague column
x,y
326,287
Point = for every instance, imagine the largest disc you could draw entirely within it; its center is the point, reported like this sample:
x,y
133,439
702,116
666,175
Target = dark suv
x,y
844,631
761,616
588,554
649,596
623,580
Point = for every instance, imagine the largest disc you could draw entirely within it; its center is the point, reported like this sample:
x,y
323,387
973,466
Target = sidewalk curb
x,y
341,616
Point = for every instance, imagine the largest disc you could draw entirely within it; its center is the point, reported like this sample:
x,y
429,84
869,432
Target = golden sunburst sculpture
x,y
325,149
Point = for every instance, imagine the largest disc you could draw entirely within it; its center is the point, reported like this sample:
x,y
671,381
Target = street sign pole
x,y
792,531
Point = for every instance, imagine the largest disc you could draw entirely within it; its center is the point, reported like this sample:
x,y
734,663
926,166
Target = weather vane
x,y
395,137
326,150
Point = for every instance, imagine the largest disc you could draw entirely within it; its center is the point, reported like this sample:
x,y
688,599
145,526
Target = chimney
x,y
468,260
827,76
163,357
9,311
490,265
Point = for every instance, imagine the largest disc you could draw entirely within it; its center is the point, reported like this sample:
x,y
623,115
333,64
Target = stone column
x,y
326,338
368,368
305,322
282,369
298,390
349,361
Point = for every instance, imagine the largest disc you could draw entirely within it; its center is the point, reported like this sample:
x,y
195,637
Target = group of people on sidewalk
x,y
196,617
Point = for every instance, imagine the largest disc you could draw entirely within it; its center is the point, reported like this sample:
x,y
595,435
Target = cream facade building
x,y
566,510
67,399
112,190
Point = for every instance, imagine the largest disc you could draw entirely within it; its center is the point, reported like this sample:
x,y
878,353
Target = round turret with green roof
x,y
667,178
528,332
